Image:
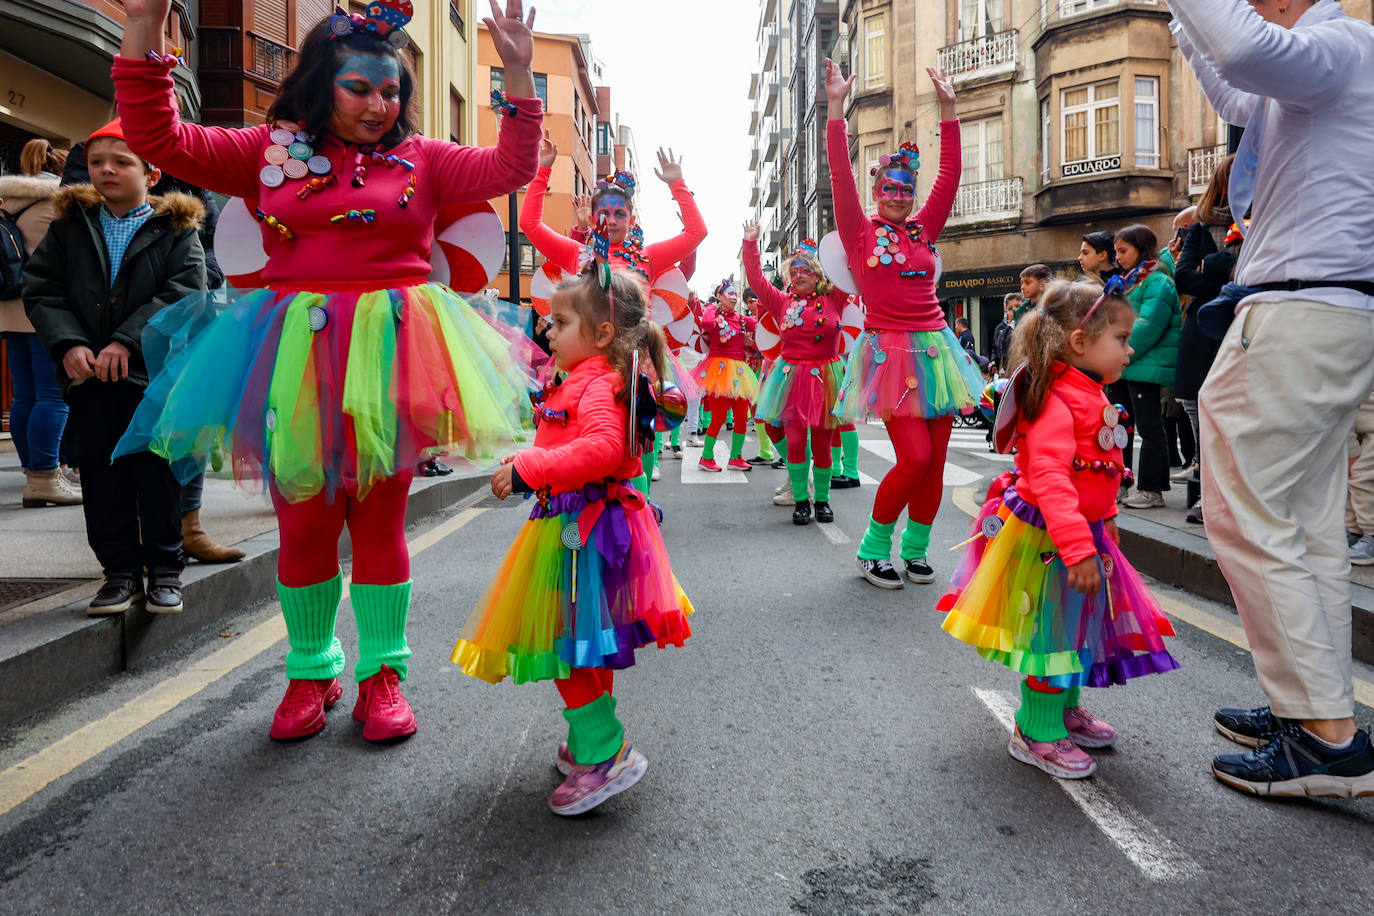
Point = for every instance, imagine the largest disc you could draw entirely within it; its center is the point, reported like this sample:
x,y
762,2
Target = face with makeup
x,y
367,97
894,190
615,215
728,298
802,277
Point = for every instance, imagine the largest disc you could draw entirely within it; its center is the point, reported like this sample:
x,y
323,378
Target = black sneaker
x,y
759,459
164,593
880,573
1246,726
824,514
919,571
1292,764
841,482
802,514
116,595
779,464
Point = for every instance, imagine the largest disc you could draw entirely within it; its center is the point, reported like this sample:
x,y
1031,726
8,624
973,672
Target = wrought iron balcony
x,y
1202,162
977,58
988,201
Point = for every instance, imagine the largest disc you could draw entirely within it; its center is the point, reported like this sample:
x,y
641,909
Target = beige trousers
x,y
1359,509
1276,410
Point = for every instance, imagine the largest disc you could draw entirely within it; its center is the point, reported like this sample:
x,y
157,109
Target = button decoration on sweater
x,y
1121,437
317,317
1110,415
1106,439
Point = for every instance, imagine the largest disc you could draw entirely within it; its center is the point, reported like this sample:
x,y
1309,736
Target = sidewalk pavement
x,y
50,646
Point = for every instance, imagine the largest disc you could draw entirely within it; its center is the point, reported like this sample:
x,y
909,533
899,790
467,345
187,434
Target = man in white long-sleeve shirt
x,y
1291,375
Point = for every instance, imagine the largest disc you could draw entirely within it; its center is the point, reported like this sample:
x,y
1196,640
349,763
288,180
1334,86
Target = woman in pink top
x,y
907,367
729,384
800,390
350,368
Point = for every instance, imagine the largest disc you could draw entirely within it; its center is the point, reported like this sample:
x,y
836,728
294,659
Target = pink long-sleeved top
x,y
818,336
895,302
591,446
392,250
739,336
1069,497
567,253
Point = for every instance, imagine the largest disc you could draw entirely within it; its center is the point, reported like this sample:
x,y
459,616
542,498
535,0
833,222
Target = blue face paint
x,y
368,72
897,184
613,206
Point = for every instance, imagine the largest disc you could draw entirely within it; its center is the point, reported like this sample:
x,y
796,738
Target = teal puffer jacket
x,y
1158,324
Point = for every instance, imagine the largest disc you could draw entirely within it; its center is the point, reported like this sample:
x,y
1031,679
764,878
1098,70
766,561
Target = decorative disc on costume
x,y
768,337
894,374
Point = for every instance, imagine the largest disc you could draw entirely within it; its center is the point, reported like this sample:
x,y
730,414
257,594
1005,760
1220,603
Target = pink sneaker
x,y
706,464
739,464
563,760
588,785
1060,758
1086,730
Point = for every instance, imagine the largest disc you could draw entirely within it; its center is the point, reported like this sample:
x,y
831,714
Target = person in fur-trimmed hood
x,y
112,259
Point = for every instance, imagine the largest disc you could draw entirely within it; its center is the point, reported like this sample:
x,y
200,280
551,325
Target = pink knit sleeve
x,y
771,298
555,246
935,212
466,174
1050,447
850,220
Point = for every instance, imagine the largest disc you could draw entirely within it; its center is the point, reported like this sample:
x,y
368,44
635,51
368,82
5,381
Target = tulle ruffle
x,y
908,374
1011,600
318,392
727,378
802,392
549,609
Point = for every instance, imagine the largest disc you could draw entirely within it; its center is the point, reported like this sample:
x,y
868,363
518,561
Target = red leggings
x,y
585,685
376,525
918,480
719,407
795,433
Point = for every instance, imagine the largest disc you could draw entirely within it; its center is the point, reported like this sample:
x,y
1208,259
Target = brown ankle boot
x,y
197,545
49,488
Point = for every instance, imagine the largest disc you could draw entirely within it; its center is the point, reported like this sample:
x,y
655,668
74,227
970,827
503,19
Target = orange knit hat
x,y
113,130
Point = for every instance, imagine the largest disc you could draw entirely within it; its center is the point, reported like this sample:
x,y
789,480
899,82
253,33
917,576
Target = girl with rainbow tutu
x,y
333,382
729,387
1043,587
587,581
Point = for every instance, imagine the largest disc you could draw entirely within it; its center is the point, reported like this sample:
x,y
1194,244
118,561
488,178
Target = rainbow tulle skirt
x,y
1011,601
321,392
908,374
802,392
551,608
721,377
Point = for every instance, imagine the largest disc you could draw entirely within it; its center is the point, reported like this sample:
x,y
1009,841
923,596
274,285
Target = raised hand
x,y
513,34
144,22
582,210
751,231
548,151
669,168
154,10
944,91
836,88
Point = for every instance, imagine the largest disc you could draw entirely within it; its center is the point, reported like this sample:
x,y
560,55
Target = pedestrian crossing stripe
x,y
955,476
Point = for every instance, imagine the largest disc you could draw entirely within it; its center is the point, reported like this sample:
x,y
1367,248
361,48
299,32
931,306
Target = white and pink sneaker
x,y
1086,730
1060,758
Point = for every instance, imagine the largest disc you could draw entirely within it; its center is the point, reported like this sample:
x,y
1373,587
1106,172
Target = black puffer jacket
x,y
67,289
1201,272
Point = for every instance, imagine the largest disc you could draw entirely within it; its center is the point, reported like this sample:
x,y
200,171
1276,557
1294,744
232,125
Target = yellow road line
x,y
963,498
32,774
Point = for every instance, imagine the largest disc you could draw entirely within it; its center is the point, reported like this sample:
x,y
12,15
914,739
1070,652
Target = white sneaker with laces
x,y
1362,552
1184,474
1144,499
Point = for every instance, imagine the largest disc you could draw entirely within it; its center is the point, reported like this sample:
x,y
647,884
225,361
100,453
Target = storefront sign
x,y
979,284
1092,166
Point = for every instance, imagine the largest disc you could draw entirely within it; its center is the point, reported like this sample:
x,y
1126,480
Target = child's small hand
x,y
502,482
1083,576
548,151
112,364
582,209
79,363
1113,532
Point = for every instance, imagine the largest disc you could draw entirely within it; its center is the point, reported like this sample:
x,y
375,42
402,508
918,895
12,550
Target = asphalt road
x,y
819,746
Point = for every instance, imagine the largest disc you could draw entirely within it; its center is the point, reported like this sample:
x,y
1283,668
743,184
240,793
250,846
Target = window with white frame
x,y
875,51
1147,122
1046,132
1074,7
982,149
872,153
1090,118
979,18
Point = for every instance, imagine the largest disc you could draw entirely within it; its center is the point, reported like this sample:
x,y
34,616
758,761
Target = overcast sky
x,y
679,75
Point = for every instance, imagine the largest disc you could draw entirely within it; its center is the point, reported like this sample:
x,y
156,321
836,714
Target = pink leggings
x,y
719,407
585,685
918,480
376,525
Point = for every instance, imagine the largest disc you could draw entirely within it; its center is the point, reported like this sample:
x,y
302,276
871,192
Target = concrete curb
x,y
1187,561
52,656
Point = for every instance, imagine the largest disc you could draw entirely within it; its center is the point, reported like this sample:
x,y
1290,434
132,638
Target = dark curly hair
x,y
307,93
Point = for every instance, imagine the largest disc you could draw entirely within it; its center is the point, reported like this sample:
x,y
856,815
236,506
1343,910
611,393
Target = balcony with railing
x,y
771,191
1202,162
770,45
987,201
770,94
981,58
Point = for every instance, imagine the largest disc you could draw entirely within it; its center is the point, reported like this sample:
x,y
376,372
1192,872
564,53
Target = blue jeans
x,y
38,414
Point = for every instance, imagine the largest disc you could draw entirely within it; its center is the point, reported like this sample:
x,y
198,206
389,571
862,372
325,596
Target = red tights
x,y
585,685
719,407
918,480
376,525
821,441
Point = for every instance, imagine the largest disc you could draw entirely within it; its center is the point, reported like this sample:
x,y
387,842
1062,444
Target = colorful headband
x,y
384,18
908,156
621,181
805,248
728,283
1115,286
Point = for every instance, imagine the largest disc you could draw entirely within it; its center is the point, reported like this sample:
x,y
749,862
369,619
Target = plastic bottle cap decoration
x,y
384,18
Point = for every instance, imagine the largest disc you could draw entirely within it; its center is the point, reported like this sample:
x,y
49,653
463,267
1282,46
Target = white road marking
x,y
833,534
1157,857
955,476
693,474
867,480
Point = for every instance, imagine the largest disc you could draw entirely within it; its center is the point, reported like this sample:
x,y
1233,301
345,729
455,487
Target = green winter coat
x,y
1158,324
67,289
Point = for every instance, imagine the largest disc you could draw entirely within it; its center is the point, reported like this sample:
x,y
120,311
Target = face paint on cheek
x,y
613,208
382,72
897,185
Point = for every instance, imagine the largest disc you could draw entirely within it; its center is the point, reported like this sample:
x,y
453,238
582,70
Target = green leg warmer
x,y
381,614
1072,697
822,477
836,457
1041,715
915,541
594,733
765,444
641,483
849,443
736,445
649,461
675,440
877,542
796,473
708,450
310,611
704,418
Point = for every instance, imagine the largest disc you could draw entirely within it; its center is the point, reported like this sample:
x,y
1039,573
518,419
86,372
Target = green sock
x,y
836,457
704,419
708,450
381,611
675,438
849,442
594,733
915,541
765,444
877,542
1071,697
1041,715
641,483
796,473
649,461
309,612
737,445
822,477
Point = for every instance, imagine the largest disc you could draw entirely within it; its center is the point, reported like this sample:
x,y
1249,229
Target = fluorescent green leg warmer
x,y
736,445
1072,697
849,443
836,458
594,733
915,541
641,483
822,477
765,444
675,439
1041,715
877,542
310,611
708,450
381,611
796,473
